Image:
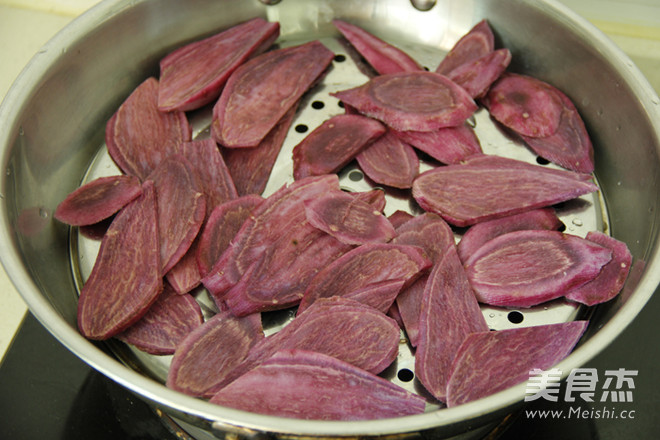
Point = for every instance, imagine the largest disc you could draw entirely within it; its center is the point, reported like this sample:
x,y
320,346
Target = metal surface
x,y
52,126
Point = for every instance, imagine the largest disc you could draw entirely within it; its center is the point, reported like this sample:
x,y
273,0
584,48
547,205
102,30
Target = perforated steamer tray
x,y
579,216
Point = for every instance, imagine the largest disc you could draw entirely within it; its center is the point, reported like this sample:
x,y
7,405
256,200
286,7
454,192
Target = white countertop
x,y
25,25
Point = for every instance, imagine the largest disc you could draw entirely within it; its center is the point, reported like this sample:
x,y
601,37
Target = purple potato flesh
x,y
610,280
492,361
524,104
164,326
449,312
390,161
382,56
372,274
264,227
211,351
477,235
477,76
193,75
260,92
348,219
529,267
126,278
340,327
399,217
181,209
333,144
250,168
97,200
494,187
309,385
221,227
570,146
411,101
478,42
448,145
374,197
139,136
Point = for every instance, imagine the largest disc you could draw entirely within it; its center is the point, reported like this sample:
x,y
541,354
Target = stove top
x,y
47,393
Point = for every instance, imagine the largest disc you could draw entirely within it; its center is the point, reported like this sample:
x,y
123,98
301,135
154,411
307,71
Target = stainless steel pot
x,y
52,128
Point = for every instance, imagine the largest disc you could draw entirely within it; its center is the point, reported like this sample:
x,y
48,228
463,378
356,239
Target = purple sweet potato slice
x,y
184,276
348,219
609,281
492,187
111,300
164,326
97,200
211,351
333,144
372,274
478,42
270,221
181,208
139,136
524,104
221,227
477,235
448,145
373,197
212,177
570,146
259,93
449,313
417,101
340,327
250,168
493,361
477,76
314,386
193,75
390,161
529,267
382,56
399,217
435,237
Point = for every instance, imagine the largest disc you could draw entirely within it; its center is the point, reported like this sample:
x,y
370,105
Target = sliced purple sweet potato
x,y
570,146
477,235
448,145
411,101
97,200
529,267
349,219
139,136
181,208
340,327
493,361
110,300
399,217
260,92
382,56
478,42
435,237
374,197
211,351
210,172
221,227
325,389
193,75
184,276
164,326
493,187
372,274
477,76
390,161
526,105
609,281
333,144
449,312
264,227
250,168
